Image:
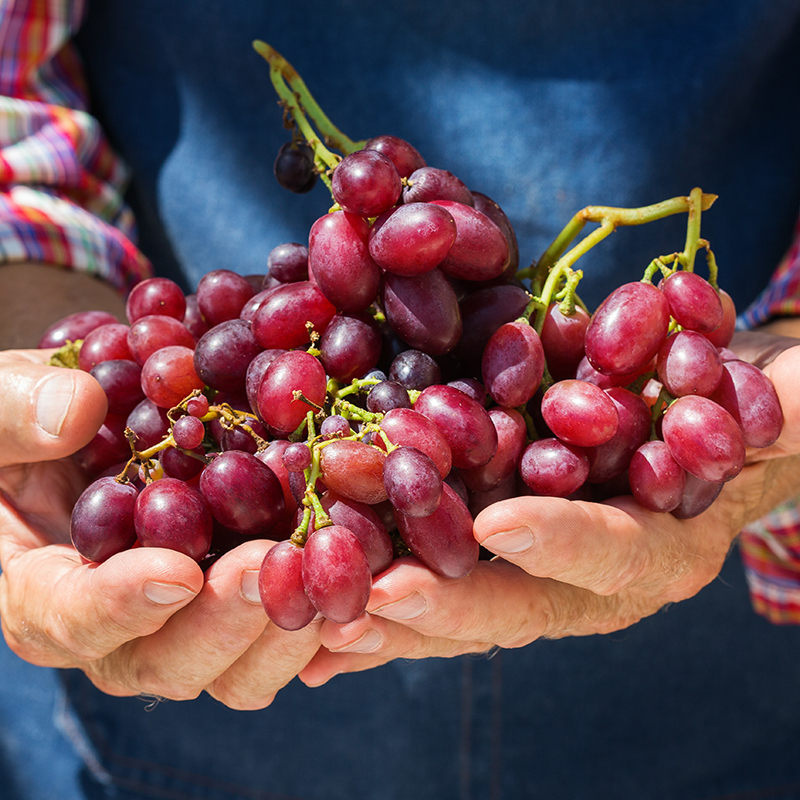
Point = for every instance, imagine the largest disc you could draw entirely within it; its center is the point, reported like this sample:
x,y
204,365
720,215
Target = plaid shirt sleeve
x,y
771,547
61,185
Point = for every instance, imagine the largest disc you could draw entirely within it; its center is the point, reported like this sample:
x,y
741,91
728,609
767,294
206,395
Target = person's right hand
x,y
147,621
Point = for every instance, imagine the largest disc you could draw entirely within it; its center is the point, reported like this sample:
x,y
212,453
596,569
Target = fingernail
x,y
514,541
53,402
166,594
370,641
250,586
415,605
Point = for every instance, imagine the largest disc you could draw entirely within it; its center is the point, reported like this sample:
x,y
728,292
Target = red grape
x,y
627,329
170,513
280,586
336,574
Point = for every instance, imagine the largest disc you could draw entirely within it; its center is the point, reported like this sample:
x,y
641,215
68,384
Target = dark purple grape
x,y
223,355
423,311
340,263
101,524
121,381
288,263
244,494
412,482
280,585
483,312
294,167
386,395
170,513
431,183
155,296
366,183
149,424
182,465
443,540
628,329
350,346
239,438
414,369
74,327
336,573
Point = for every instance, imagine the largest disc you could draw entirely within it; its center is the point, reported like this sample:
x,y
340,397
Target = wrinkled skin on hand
x,y
567,568
145,621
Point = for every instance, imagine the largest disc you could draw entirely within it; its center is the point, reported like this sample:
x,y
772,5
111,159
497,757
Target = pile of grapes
x,y
370,393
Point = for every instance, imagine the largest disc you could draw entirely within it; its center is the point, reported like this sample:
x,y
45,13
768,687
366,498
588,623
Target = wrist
x,y
37,295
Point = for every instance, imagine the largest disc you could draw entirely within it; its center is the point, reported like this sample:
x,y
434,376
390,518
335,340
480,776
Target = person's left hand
x,y
569,568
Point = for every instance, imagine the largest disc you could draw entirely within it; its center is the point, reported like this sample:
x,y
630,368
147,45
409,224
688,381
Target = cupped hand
x,y
147,621
569,568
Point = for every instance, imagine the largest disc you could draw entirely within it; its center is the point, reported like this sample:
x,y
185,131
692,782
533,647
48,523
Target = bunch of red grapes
x,y
371,393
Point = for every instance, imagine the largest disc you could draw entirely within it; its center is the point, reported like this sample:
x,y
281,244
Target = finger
x,y
784,372
274,659
500,604
609,547
45,412
58,611
370,642
202,640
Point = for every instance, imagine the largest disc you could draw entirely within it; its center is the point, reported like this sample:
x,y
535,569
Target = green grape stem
x,y
554,269
305,112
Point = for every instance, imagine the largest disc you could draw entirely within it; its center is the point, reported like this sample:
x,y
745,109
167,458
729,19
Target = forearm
x,y
37,295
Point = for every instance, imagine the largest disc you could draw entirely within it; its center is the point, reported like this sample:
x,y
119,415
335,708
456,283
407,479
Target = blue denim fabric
x,y
546,106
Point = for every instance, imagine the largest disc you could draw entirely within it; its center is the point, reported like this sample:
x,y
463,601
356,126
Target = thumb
x,y
46,412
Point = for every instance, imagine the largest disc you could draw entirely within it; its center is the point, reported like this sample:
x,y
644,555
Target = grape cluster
x,y
374,390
